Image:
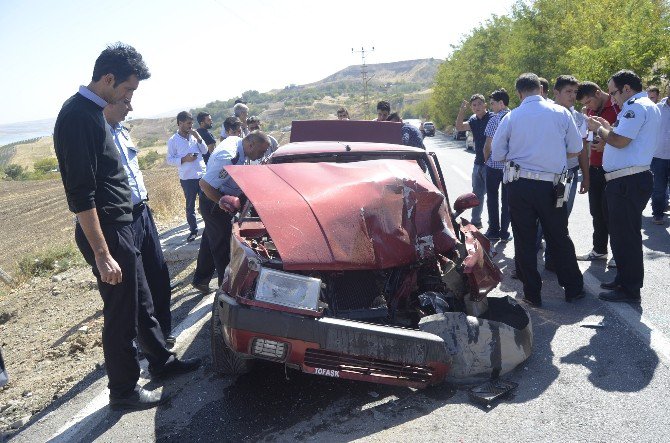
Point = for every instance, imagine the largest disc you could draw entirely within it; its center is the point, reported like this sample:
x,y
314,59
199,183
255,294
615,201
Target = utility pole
x,y
366,79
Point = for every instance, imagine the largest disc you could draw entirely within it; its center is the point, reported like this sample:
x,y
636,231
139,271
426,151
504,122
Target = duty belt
x,y
541,176
624,172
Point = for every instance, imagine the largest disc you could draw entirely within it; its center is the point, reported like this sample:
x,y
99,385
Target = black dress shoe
x,y
610,286
139,399
202,287
533,303
620,295
577,296
174,366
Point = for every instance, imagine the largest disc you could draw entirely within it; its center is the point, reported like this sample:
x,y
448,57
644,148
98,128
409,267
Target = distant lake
x,y
14,132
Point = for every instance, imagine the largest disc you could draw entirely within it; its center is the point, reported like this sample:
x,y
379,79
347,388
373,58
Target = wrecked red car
x,y
347,260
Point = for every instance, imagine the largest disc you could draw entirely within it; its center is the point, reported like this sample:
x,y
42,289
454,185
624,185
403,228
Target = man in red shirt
x,y
597,102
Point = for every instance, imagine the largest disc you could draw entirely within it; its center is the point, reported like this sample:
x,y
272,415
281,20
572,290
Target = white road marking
x,y
185,332
638,323
460,172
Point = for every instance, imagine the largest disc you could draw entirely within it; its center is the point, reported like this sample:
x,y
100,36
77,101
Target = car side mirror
x,y
465,202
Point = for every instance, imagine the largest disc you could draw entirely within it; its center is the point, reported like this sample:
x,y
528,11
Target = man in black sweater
x,y
97,191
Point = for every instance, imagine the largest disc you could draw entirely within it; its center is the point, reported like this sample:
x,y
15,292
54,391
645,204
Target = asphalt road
x,y
582,383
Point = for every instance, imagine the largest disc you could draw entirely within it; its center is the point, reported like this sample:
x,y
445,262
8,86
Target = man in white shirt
x,y
185,150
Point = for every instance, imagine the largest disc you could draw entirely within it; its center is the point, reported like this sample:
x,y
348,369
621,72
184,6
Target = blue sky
x,y
213,49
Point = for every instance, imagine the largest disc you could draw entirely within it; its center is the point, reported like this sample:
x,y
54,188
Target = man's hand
x,y
595,122
188,158
195,134
109,269
584,188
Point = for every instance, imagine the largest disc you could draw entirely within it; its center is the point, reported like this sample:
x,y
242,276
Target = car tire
x,y
224,360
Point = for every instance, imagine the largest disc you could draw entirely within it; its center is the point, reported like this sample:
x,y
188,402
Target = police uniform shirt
x,y
639,120
663,147
537,136
128,154
229,152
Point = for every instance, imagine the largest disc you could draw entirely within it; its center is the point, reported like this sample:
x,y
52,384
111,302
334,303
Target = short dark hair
x,y
233,123
122,61
395,117
587,89
384,106
565,80
343,111
500,95
239,100
202,116
184,116
477,97
627,77
653,88
253,119
545,84
528,82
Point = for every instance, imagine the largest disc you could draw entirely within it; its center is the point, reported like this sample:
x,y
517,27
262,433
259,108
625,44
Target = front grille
x,y
320,358
356,290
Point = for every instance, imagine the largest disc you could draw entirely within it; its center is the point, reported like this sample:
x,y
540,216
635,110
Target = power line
x,y
366,79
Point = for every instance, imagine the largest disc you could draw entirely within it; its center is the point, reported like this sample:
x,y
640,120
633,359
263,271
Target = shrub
x,y
46,165
51,260
148,160
15,172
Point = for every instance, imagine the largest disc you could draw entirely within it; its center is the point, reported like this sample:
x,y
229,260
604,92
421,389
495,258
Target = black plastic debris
x,y
593,324
488,393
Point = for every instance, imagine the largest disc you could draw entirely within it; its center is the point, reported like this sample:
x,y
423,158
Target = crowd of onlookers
x,y
619,154
530,155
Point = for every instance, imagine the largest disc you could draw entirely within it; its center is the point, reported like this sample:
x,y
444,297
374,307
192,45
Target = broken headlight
x,y
292,290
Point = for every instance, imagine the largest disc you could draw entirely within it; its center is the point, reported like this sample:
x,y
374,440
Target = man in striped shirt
x,y
498,220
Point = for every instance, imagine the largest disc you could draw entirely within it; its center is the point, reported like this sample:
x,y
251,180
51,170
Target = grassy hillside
x,y
404,84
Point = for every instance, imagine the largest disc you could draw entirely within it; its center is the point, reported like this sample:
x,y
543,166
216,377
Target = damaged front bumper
x,y
450,346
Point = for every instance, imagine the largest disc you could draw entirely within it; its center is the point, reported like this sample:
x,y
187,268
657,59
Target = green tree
x,y
590,39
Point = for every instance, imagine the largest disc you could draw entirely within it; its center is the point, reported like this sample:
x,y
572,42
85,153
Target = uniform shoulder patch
x,y
629,114
223,174
631,101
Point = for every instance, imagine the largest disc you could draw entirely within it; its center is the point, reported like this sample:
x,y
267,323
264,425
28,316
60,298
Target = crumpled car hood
x,y
373,214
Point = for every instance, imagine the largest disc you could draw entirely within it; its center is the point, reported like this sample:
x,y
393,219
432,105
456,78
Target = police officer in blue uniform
x,y
534,140
629,148
145,233
216,183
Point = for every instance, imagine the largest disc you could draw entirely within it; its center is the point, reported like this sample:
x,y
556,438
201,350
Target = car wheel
x,y
224,359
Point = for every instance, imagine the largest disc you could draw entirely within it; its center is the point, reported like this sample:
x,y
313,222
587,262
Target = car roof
x,y
329,147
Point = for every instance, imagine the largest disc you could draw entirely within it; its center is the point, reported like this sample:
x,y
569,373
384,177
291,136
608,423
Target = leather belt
x,y
536,175
624,172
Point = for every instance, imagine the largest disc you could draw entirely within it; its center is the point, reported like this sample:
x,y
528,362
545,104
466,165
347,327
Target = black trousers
x,y
128,311
204,268
626,199
155,268
598,209
530,201
218,228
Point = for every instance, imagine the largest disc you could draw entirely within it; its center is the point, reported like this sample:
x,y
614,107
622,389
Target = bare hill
x,y
420,72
